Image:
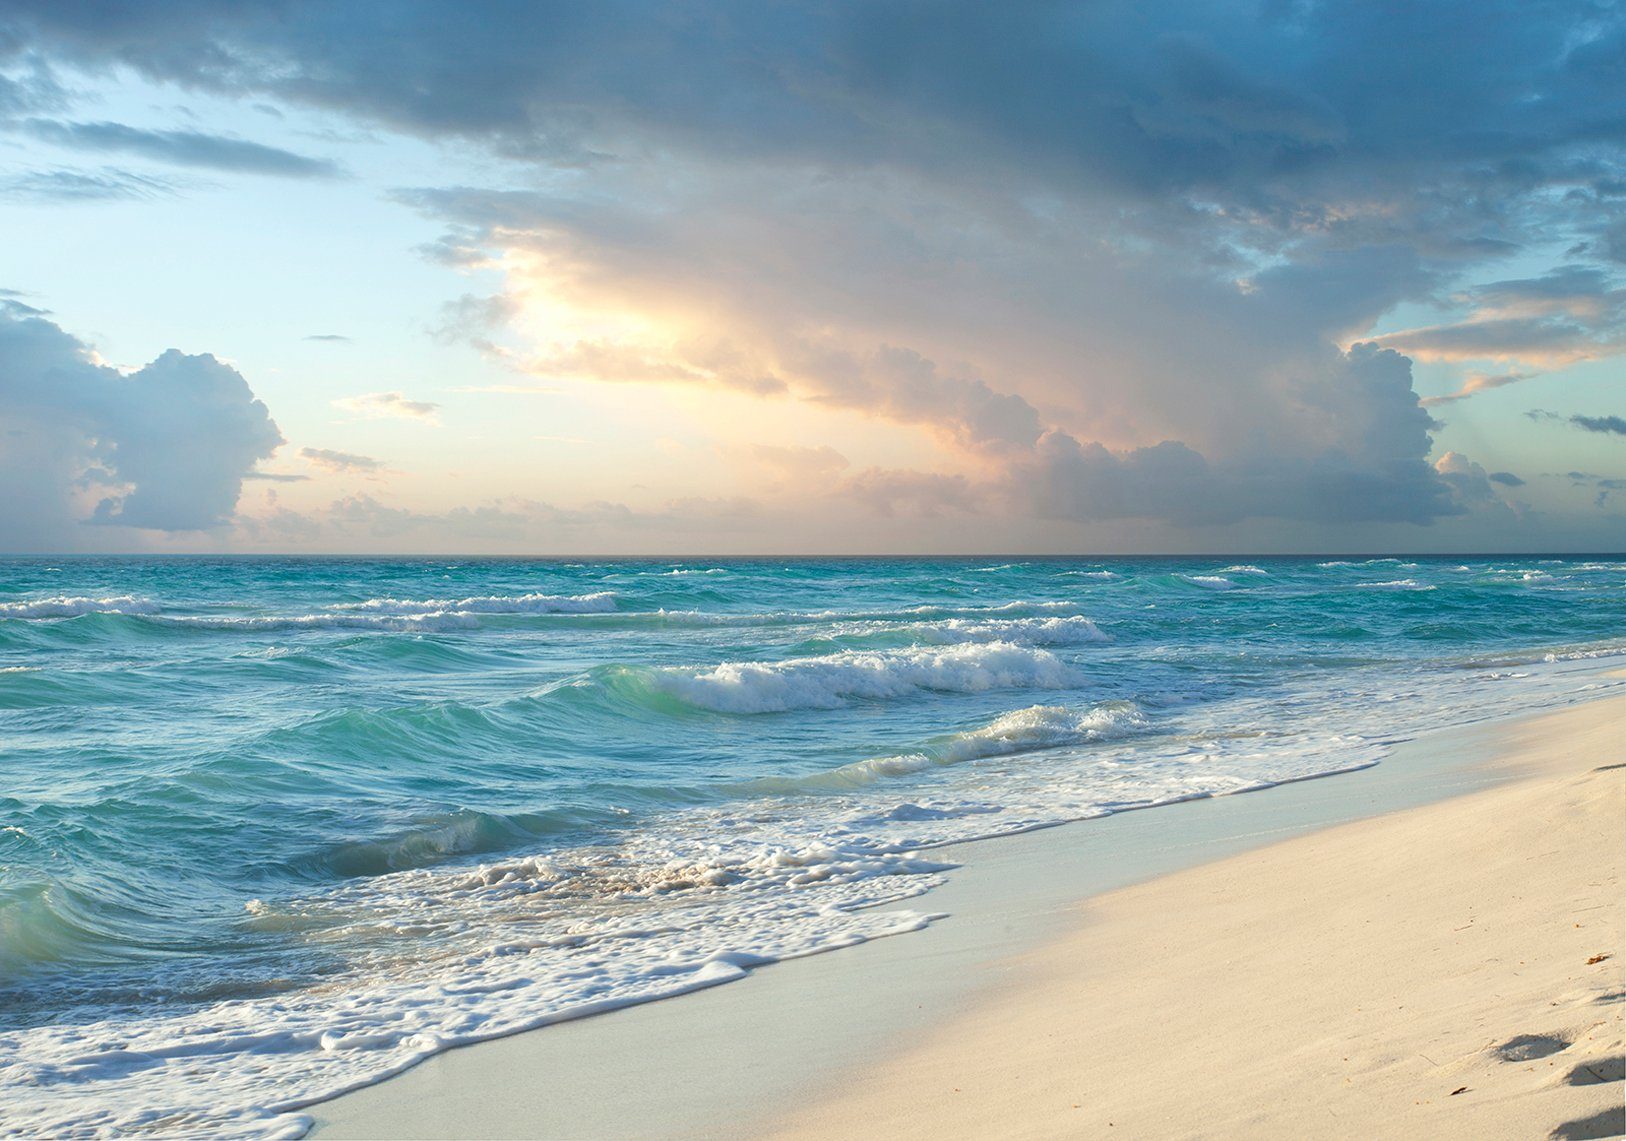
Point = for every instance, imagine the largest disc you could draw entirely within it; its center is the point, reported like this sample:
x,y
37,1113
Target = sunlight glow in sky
x,y
878,277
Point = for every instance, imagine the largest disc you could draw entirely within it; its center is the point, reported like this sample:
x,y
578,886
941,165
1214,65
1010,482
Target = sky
x,y
801,278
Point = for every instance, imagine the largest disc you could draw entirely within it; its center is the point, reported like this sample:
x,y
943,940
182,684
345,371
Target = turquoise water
x,y
275,828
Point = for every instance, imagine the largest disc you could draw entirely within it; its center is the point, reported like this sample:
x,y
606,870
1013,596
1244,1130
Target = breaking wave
x,y
64,606
832,680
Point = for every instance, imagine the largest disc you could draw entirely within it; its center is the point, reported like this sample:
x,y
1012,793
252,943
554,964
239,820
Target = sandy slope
x,y
1455,970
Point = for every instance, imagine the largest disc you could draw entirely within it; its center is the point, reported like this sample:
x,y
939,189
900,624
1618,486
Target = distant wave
x,y
904,614
64,606
1207,581
601,602
426,622
1519,574
830,681
1245,568
1397,584
1070,631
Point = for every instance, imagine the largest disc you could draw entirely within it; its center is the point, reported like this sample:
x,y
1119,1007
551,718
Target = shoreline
x,y
621,1077
1454,970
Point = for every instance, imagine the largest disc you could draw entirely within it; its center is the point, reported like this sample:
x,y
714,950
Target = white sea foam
x,y
1396,584
819,617
1207,581
1245,568
600,602
1036,728
426,622
1584,655
830,681
1072,630
64,606
545,953
1520,574
1099,576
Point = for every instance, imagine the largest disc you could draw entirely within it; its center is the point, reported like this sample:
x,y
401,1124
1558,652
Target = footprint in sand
x,y
1529,1047
1598,1072
1608,1123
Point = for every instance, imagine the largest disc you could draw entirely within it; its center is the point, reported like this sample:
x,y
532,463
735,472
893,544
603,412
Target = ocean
x,y
271,829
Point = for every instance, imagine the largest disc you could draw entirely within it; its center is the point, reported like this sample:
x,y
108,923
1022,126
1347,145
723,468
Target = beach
x,y
1450,971
1450,965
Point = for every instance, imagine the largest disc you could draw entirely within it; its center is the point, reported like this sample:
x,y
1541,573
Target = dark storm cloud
x,y
180,148
1150,97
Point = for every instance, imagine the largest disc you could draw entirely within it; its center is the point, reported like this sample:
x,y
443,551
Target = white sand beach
x,y
1451,971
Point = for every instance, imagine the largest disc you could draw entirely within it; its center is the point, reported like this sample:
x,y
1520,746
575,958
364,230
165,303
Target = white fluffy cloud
x,y
165,448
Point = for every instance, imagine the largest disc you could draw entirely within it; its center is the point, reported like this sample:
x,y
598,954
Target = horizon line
x,y
807,557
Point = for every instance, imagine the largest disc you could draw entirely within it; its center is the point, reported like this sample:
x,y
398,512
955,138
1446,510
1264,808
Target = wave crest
x,y
830,681
599,602
65,606
1029,730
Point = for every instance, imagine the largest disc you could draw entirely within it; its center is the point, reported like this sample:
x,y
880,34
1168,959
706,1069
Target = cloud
x,y
1601,487
889,493
1605,425
1255,373
603,360
1113,261
390,405
180,148
1505,478
33,88
340,462
165,448
330,338
69,186
1572,313
1161,98
1467,479
471,319
1474,383
1610,425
